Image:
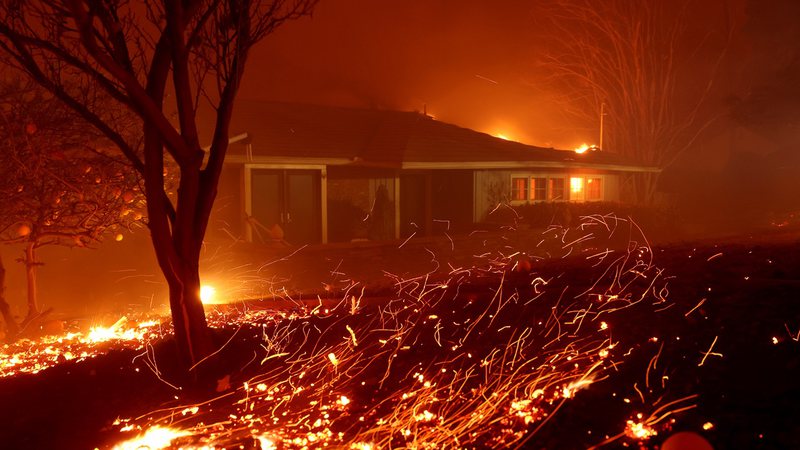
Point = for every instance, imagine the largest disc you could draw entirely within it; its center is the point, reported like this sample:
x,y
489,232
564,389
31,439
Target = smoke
x,y
465,62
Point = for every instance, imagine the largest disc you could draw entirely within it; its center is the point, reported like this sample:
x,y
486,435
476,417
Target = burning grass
x,y
478,357
35,355
717,356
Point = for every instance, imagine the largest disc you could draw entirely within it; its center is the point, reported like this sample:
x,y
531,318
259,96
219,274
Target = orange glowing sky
x,y
468,62
465,62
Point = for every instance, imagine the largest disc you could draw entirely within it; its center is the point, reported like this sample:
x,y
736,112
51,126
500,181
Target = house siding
x,y
491,188
611,191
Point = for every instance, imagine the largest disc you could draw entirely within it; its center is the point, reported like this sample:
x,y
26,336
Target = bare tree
x,y
148,57
642,65
58,184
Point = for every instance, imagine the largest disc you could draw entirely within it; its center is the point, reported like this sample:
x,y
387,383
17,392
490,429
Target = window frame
x,y
514,197
589,180
533,188
527,195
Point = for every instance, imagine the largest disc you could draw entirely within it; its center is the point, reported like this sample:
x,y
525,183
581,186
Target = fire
x,y
102,334
361,446
481,370
266,443
423,365
582,148
33,356
639,430
207,294
155,438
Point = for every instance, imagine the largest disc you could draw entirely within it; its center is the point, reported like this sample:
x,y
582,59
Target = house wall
x,y
490,188
611,188
458,199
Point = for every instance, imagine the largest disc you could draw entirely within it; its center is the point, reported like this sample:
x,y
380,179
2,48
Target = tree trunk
x,y
188,316
30,269
177,252
12,330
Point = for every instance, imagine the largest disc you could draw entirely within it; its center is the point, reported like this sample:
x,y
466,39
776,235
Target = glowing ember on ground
x,y
155,438
35,355
474,359
639,430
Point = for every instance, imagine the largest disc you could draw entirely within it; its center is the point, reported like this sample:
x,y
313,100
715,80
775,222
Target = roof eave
x,y
527,165
439,165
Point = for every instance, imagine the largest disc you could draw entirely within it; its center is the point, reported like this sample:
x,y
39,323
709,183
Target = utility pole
x,y
602,116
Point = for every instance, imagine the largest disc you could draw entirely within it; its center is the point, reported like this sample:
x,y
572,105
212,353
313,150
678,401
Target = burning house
x,y
317,174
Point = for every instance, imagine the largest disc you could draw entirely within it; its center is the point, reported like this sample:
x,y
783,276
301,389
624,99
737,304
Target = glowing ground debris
x,y
639,430
477,359
266,443
709,352
422,372
154,438
35,355
115,331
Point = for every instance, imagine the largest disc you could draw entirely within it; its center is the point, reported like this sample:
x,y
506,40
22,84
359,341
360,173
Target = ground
x,y
712,348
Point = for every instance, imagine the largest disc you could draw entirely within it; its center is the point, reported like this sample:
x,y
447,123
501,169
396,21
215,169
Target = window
x,y
556,188
519,189
538,189
576,191
576,185
594,189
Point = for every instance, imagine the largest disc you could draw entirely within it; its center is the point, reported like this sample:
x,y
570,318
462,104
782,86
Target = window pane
x,y
519,189
594,189
538,188
556,189
576,190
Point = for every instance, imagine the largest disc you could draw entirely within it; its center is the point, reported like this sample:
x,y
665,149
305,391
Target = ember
x,y
476,358
32,356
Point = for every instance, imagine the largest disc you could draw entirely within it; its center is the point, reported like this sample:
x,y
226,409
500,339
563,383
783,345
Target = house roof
x,y
325,135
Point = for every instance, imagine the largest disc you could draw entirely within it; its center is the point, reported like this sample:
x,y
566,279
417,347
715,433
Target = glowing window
x,y
538,189
576,185
594,189
519,189
577,189
556,189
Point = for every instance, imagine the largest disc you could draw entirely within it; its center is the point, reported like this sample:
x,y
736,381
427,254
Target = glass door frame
x,y
248,192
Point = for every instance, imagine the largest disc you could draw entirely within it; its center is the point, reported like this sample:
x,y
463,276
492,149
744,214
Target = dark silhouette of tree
x,y
650,66
12,329
58,183
151,58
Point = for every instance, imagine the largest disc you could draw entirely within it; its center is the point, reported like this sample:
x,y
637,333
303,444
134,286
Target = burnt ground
x,y
746,386
751,287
